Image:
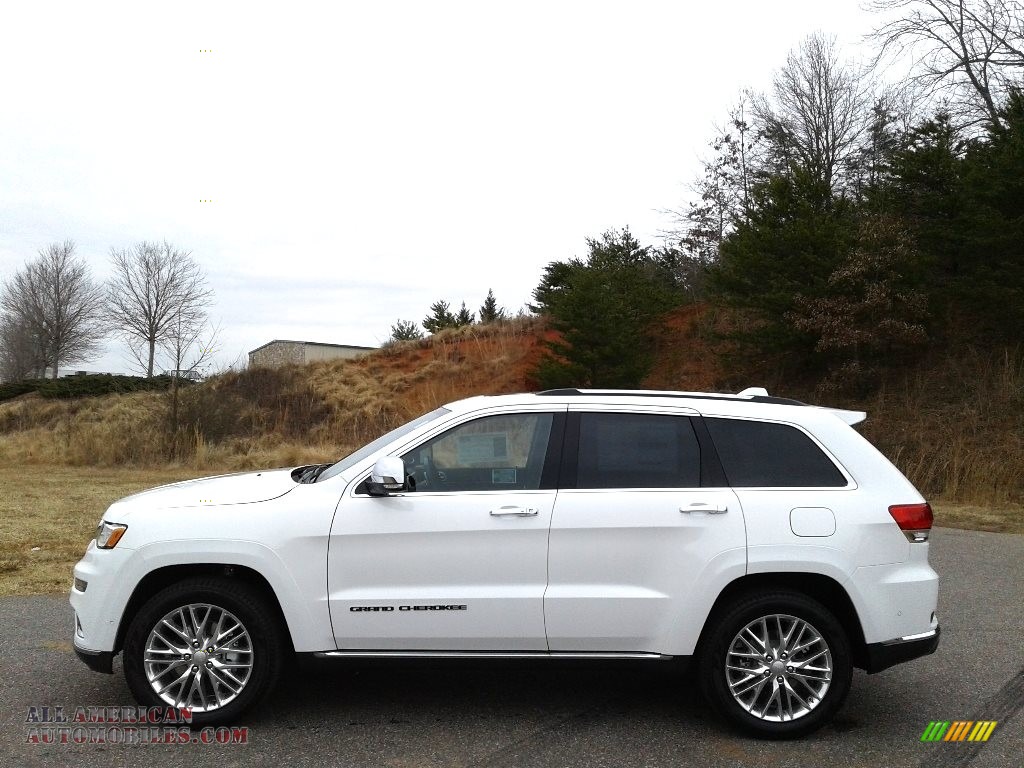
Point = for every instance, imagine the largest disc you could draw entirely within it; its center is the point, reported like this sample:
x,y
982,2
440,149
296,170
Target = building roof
x,y
312,344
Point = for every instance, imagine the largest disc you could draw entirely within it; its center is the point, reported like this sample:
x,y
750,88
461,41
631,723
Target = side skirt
x,y
486,655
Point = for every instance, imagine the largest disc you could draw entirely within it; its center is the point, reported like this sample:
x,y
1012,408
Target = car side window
x,y
759,454
495,453
636,450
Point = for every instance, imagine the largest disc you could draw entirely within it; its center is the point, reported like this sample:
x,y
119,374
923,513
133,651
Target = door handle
x,y
514,512
700,506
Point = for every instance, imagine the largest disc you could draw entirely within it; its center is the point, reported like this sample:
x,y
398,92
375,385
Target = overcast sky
x,y
365,159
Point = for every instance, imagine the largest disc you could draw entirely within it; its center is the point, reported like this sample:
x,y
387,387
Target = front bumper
x,y
99,594
881,656
97,661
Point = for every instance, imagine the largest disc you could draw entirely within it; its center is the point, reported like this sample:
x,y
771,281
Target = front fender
x,y
301,595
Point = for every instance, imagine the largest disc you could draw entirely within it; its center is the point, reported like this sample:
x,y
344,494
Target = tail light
x,y
915,520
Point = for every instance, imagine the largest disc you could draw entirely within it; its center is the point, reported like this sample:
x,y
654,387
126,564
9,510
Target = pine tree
x,y
490,312
440,317
796,234
603,309
464,317
405,330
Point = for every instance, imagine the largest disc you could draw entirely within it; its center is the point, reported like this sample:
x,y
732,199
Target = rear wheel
x,y
209,645
777,664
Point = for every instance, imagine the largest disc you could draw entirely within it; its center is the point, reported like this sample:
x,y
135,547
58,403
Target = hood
x,y
243,488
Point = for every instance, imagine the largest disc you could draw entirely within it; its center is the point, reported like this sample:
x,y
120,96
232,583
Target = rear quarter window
x,y
760,454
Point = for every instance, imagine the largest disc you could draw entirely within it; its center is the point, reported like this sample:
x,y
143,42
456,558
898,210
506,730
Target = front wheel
x,y
777,664
209,645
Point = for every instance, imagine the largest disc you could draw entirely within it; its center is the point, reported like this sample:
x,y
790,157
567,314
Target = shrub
x,y
87,386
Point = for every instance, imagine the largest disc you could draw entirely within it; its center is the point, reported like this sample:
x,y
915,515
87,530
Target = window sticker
x,y
503,476
482,448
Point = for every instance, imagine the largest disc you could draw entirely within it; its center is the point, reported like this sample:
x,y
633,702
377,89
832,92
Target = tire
x,y
778,693
165,655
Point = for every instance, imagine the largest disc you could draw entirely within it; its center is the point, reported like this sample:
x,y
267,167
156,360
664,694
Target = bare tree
x,y
190,342
720,197
56,300
154,286
968,52
816,113
21,354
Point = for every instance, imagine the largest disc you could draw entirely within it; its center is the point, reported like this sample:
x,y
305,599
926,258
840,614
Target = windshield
x,y
354,458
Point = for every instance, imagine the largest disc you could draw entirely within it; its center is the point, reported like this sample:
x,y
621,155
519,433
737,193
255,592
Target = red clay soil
x,y
684,359
503,360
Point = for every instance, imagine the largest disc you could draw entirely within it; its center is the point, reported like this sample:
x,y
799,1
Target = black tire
x,y
721,633
265,642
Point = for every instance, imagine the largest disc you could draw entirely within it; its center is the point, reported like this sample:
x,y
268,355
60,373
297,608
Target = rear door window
x,y
637,450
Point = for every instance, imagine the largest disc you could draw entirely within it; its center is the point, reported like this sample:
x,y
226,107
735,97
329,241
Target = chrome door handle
x,y
514,512
700,506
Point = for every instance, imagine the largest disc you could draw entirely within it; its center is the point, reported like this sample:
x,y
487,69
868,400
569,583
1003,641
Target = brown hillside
x,y
282,416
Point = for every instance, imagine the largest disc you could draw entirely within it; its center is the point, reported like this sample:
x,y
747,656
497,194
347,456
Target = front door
x,y
459,563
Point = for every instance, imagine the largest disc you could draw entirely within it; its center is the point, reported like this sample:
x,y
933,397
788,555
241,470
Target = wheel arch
x,y
826,590
163,577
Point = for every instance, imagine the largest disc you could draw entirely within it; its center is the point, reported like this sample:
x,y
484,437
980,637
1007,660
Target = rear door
x,y
644,534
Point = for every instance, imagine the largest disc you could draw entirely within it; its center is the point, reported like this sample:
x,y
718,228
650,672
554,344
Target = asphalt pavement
x,y
404,714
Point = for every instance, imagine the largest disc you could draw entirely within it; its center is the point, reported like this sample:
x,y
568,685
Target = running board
x,y
485,655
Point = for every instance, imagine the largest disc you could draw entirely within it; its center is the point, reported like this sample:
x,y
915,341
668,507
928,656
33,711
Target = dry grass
x,y
955,427
974,517
55,509
273,417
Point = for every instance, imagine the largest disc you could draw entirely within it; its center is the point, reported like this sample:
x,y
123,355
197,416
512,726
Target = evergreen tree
x,y
603,309
794,237
925,191
440,317
464,317
490,312
991,284
405,330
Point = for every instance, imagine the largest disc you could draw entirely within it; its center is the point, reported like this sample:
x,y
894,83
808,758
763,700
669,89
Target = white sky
x,y
365,159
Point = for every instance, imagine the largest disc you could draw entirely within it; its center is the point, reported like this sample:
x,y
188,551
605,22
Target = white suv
x,y
763,537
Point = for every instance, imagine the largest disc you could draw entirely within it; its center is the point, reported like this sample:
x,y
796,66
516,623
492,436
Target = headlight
x,y
108,534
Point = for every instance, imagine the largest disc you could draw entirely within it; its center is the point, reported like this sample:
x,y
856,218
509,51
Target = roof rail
x,y
751,395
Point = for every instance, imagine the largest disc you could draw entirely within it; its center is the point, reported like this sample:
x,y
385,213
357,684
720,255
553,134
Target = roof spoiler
x,y
850,417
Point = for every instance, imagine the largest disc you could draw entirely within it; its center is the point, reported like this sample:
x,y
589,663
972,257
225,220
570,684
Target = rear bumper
x,y
97,661
881,656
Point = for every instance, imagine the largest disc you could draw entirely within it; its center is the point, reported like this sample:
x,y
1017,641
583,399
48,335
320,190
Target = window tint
x,y
495,453
633,450
757,454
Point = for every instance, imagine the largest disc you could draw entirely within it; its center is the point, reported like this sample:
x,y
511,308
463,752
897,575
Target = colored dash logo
x,y
959,730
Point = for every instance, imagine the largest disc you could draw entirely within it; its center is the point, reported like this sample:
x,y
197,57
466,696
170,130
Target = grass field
x,y
48,515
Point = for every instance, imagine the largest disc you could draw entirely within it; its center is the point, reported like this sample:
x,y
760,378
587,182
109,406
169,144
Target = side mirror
x,y
386,477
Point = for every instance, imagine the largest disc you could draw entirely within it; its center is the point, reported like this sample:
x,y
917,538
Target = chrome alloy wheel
x,y
778,668
198,656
